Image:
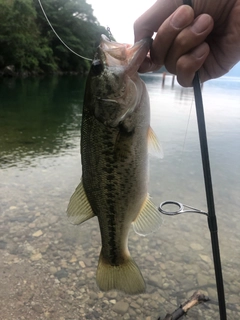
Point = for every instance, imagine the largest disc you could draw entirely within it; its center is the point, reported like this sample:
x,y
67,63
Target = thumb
x,y
151,20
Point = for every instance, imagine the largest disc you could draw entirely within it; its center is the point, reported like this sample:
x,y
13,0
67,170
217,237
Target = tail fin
x,y
125,277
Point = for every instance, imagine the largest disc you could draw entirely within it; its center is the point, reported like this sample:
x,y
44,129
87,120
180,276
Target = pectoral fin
x,y
155,147
79,209
148,220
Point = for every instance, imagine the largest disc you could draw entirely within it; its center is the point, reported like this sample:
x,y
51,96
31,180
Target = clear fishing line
x,y
187,127
45,15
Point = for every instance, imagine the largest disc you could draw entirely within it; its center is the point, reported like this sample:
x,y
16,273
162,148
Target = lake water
x,y
47,266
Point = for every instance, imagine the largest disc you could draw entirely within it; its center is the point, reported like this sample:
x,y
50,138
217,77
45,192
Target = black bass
x,y
114,138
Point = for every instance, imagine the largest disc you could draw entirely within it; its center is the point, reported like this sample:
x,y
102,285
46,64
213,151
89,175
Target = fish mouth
x,y
122,54
107,100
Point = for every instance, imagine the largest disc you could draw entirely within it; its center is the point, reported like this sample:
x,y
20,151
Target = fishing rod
x,y
212,220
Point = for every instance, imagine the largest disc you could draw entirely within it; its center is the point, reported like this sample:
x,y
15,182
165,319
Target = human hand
x,y
206,38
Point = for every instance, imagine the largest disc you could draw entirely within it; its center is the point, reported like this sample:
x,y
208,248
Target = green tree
x,y
74,22
20,41
28,43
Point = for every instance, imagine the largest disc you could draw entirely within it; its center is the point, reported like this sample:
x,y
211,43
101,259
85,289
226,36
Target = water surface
x,y
48,266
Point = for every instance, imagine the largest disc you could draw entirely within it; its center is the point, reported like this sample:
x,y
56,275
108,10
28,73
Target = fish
x,y
115,133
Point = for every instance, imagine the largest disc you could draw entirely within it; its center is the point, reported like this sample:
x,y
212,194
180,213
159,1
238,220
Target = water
x,y
48,266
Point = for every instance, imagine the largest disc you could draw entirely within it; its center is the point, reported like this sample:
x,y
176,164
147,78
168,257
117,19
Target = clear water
x,y
40,166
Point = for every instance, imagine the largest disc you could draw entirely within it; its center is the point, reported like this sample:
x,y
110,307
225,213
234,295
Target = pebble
x,y
3,244
37,233
82,264
113,301
134,305
73,259
155,280
196,246
205,258
36,257
37,308
61,274
52,270
121,307
60,283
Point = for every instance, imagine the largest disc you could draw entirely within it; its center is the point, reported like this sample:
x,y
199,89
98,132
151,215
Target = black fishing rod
x,y
212,220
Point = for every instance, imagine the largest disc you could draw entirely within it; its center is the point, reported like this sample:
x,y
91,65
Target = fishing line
x,y
45,15
188,122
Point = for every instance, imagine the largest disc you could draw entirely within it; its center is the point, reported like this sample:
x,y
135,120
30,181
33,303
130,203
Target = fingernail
x,y
182,17
201,23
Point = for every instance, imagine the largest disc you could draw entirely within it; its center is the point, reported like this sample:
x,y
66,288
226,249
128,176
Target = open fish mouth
x,y
107,100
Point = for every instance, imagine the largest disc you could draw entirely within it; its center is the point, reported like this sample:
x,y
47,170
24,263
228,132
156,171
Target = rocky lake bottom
x,y
48,266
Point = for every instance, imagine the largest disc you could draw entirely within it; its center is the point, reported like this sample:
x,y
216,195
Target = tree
x,y
28,43
20,41
74,22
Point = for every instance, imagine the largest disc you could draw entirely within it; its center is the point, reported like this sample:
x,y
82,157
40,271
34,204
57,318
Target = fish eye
x,y
97,67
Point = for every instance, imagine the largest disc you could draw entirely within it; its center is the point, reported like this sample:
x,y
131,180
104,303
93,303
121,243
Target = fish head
x,y
115,87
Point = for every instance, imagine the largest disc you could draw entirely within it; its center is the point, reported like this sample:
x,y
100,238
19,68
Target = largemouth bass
x,y
114,148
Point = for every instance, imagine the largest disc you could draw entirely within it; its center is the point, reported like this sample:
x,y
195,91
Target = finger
x,y
181,18
148,66
188,64
150,21
188,39
168,31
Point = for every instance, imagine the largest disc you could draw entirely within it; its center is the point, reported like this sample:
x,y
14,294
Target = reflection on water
x,y
39,118
49,266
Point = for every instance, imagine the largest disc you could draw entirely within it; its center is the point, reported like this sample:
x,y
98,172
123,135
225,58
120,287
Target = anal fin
x,y
148,220
79,209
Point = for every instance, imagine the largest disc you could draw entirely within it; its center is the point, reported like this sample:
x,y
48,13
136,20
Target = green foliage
x,y
28,43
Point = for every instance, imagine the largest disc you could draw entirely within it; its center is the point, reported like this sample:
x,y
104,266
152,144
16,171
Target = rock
x,y
37,233
93,296
37,308
234,299
52,270
3,244
113,301
73,259
13,248
36,257
61,274
121,307
212,293
140,301
155,281
205,258
202,280
9,71
196,246
112,294
87,262
150,258
134,305
82,264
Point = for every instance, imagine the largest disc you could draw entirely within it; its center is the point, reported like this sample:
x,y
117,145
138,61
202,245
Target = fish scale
x,y
114,148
